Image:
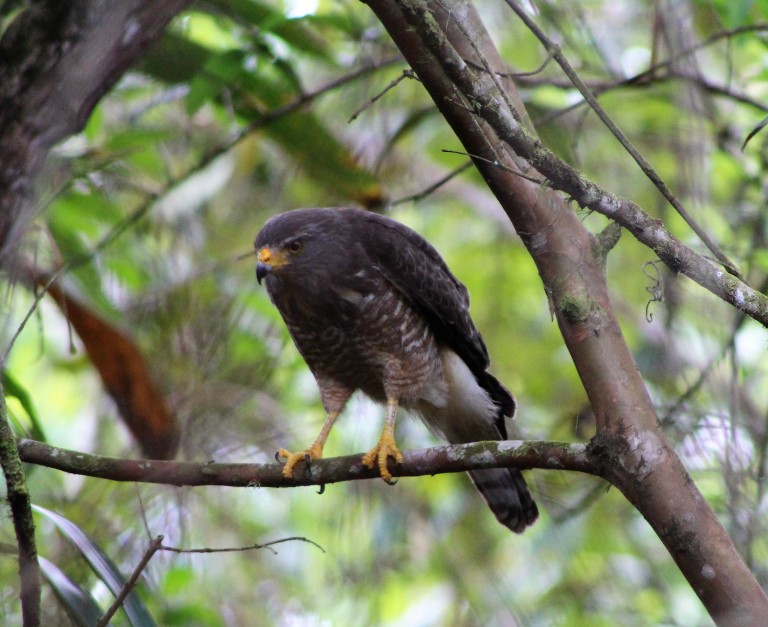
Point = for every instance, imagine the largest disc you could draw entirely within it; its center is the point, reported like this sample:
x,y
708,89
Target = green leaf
x,y
300,134
101,565
294,32
15,390
80,606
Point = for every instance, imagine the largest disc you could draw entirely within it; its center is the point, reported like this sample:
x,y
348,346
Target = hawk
x,y
372,306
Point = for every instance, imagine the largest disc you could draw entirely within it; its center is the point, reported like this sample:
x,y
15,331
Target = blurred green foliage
x,y
194,149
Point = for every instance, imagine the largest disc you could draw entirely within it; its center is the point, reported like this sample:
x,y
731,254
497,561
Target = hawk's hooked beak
x,y
262,270
268,259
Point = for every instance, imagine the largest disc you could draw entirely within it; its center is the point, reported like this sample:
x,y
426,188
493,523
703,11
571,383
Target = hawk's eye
x,y
295,246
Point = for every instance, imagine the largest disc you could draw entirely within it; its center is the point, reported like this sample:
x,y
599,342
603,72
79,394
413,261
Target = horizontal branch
x,y
440,459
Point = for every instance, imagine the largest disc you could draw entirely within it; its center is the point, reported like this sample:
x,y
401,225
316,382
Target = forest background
x,y
156,340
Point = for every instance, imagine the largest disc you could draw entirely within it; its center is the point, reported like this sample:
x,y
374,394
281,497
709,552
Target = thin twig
x,y
497,164
328,87
392,85
538,70
120,598
144,520
643,79
436,185
586,500
250,547
650,75
644,165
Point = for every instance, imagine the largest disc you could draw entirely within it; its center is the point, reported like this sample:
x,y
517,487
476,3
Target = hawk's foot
x,y
378,456
291,459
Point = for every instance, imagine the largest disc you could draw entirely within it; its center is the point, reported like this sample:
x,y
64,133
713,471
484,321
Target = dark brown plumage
x,y
371,306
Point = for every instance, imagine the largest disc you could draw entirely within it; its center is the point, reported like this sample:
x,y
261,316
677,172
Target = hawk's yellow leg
x,y
313,452
386,446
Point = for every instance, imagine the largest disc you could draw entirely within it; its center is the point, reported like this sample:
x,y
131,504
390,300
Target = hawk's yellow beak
x,y
268,259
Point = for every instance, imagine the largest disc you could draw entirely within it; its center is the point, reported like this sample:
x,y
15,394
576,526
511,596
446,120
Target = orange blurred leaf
x,y
125,374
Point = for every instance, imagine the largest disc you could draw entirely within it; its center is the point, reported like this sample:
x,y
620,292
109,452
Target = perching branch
x,y
431,461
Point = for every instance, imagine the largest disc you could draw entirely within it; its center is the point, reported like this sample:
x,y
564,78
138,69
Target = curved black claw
x,y
321,489
277,458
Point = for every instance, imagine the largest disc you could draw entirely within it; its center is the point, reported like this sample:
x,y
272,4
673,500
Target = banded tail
x,y
469,410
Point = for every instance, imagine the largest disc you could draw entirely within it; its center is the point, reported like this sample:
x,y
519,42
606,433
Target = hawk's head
x,y
300,244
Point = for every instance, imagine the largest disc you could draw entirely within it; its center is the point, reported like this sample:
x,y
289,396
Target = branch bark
x,y
431,461
23,523
58,58
480,92
445,41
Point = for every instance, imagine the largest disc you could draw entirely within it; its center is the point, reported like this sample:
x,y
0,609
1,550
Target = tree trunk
x,y
57,59
449,49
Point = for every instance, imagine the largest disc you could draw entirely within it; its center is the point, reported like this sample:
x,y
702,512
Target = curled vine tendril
x,y
655,289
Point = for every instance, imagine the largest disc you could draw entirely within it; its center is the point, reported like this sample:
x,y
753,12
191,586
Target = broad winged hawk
x,y
372,306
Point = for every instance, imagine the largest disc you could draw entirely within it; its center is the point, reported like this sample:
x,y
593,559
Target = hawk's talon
x,y
291,459
378,455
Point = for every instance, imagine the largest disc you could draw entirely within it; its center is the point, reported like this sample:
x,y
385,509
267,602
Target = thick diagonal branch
x,y
478,90
482,108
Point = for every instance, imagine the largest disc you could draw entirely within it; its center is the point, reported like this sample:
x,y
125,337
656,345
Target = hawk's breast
x,y
373,341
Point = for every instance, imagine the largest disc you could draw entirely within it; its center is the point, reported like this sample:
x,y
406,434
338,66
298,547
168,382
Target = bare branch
x,y
641,161
405,74
239,549
434,186
564,177
650,76
153,548
432,461
497,164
